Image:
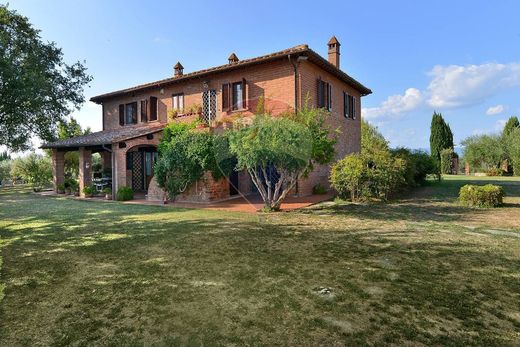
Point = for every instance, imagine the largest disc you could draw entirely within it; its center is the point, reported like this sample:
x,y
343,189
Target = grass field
x,y
419,271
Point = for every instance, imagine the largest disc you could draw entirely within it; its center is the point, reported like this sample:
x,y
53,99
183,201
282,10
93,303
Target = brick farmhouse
x,y
133,118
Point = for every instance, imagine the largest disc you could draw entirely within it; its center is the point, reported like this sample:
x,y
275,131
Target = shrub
x,y
107,191
319,189
186,154
481,196
61,188
88,191
125,194
494,171
370,175
418,166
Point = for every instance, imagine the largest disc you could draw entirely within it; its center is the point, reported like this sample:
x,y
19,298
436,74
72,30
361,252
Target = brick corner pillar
x,y
85,169
119,176
58,168
106,160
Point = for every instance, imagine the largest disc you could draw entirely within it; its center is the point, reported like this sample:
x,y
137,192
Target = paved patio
x,y
250,204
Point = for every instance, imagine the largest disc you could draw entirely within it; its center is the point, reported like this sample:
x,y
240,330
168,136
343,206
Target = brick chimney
x,y
233,58
178,68
334,51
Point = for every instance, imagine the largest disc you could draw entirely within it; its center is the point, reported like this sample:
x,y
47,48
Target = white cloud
x,y
395,105
457,86
495,110
452,86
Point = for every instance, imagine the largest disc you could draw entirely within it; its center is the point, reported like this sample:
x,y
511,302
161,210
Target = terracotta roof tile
x,y
297,50
106,137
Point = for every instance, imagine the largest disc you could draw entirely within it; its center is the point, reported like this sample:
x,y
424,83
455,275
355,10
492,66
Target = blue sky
x,y
461,58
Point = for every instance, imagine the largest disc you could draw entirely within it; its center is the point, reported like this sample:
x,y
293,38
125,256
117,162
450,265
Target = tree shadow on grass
x,y
102,269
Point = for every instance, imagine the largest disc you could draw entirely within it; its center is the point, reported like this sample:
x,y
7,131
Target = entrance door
x,y
141,163
209,105
233,183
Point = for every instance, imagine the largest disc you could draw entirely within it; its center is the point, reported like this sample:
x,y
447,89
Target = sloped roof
x,y
106,137
294,52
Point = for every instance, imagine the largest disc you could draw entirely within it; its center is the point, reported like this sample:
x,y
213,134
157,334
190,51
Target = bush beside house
x,y
378,172
125,194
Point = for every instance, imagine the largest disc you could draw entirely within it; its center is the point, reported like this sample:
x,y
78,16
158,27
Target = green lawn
x,y
419,271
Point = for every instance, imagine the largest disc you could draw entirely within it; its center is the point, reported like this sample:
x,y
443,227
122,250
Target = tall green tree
x,y
37,88
441,138
512,124
371,139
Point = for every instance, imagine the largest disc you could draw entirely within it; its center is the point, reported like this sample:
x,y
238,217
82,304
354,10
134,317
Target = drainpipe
x,y
296,65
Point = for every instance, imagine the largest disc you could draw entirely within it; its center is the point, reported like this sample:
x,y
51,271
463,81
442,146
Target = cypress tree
x,y
441,136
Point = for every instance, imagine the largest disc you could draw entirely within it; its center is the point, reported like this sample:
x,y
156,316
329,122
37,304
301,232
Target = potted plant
x,y
87,191
108,193
61,188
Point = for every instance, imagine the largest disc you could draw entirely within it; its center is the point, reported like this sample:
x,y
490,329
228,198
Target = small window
x,y
237,95
178,102
324,95
122,114
131,113
153,108
144,110
349,108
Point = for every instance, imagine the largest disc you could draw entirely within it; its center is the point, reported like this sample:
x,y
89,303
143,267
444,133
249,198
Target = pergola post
x,y
119,176
106,159
58,168
85,169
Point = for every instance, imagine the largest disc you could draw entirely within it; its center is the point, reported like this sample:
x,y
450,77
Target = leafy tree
x,y
513,139
37,88
71,128
289,145
483,152
34,169
185,154
4,156
5,170
371,138
505,140
512,124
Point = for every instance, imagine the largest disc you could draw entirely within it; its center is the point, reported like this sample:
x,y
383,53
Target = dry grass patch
x,y
420,271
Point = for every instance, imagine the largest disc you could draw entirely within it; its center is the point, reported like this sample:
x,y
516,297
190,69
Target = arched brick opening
x,y
140,161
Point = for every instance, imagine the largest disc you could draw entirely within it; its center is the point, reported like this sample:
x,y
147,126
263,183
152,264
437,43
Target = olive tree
x,y
289,145
33,169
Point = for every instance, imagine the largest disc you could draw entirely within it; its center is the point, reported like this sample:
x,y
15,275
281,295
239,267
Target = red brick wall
x,y
349,139
273,80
